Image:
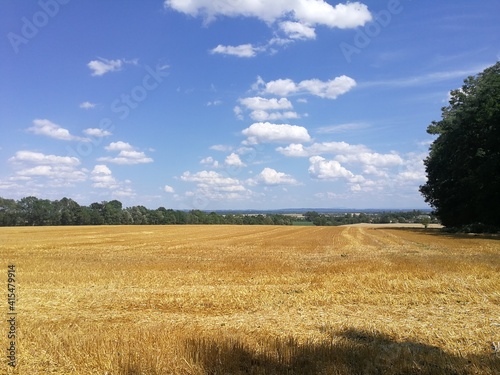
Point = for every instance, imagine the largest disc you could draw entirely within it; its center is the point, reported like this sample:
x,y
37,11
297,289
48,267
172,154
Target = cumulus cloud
x,y
368,169
335,148
256,103
169,189
260,108
271,177
310,12
87,105
281,87
330,89
96,132
210,161
324,89
39,158
119,146
209,178
61,170
243,50
413,169
323,169
59,173
233,160
49,129
293,150
127,154
262,116
370,162
102,66
102,178
265,132
222,148
296,19
372,158
238,112
297,30
215,186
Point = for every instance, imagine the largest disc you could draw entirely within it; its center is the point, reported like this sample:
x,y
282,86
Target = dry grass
x,y
252,300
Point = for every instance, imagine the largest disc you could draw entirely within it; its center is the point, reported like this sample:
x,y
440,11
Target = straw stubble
x,y
253,300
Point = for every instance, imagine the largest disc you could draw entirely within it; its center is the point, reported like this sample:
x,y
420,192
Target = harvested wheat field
x,y
251,300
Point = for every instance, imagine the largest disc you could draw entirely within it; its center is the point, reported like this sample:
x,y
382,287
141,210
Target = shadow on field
x,y
346,352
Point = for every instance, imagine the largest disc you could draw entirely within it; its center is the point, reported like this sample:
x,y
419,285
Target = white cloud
x,y
210,161
330,89
169,189
280,87
66,173
87,105
372,158
207,160
324,89
49,129
296,19
209,178
336,148
102,178
262,116
127,155
293,150
238,112
103,66
271,177
323,169
297,30
260,108
222,148
373,163
59,170
39,158
124,192
413,169
101,170
119,146
96,132
7,185
233,160
214,186
214,103
258,103
128,158
243,50
265,132
311,12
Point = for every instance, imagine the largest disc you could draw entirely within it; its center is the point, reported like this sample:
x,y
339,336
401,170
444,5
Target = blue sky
x,y
244,104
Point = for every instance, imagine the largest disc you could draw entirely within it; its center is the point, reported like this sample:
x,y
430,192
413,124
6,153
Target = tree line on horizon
x,y
32,211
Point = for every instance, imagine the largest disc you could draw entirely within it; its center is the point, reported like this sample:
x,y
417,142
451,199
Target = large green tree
x,y
463,166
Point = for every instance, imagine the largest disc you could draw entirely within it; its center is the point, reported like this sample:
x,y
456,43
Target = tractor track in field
x,y
360,239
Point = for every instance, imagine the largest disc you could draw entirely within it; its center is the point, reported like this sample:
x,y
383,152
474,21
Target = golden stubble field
x,y
251,300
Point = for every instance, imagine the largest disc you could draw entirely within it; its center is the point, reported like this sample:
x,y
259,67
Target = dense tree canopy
x,y
34,211
463,166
